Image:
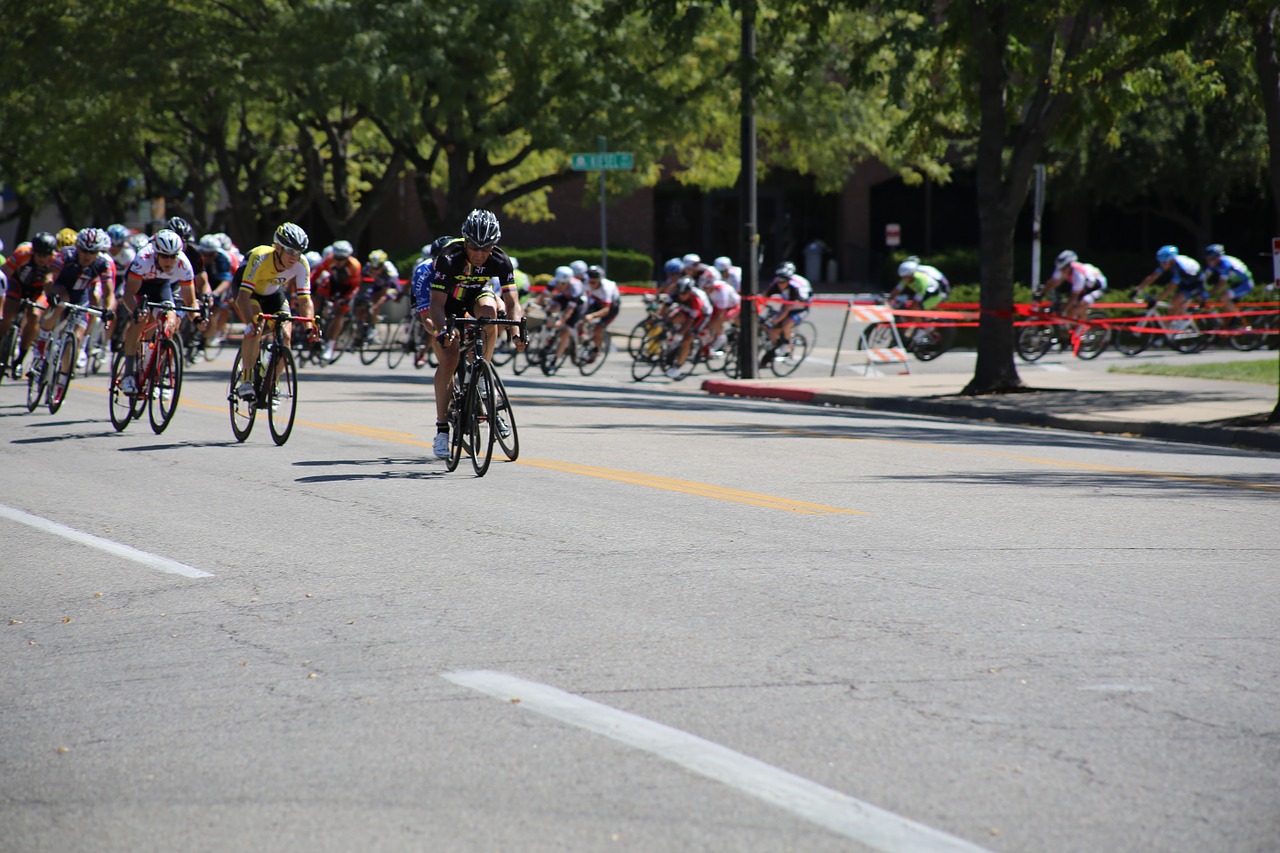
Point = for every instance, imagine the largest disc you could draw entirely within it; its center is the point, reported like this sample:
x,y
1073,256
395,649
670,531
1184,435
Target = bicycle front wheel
x,y
1131,340
282,396
166,386
37,378
591,357
121,404
9,352
484,417
369,343
64,365
508,435
399,337
243,412
787,359
1034,341
458,426
1093,338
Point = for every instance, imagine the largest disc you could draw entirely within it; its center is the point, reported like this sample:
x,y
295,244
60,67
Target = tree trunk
x,y
1268,68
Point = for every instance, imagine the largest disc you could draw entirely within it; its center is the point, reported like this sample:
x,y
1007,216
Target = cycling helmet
x,y
1065,259
723,263
313,259
93,240
225,241
691,259
210,243
579,268
515,262
291,236
908,268
181,227
377,258
1215,249
342,250
66,237
167,242
595,271
43,244
786,270
673,266
563,274
1166,253
118,234
481,229
683,285
137,240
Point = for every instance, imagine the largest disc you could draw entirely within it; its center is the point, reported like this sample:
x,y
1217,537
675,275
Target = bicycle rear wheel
x,y
458,427
484,417
648,355
282,396
166,386
786,359
243,412
508,434
121,405
37,377
1130,340
591,357
1093,338
369,342
398,342
1034,341
9,351
64,365
1244,337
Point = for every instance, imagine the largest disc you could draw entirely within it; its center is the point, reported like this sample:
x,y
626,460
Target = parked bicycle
x,y
1048,328
480,413
50,374
275,382
157,374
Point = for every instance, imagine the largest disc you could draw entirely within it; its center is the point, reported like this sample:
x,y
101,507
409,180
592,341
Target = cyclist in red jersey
x,y
29,269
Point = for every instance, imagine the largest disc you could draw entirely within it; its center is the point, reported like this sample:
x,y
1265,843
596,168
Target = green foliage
x,y
1262,371
625,265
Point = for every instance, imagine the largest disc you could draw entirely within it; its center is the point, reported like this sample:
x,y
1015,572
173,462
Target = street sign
x,y
893,234
610,161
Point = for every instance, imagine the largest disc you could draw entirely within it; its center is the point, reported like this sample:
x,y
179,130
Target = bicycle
x,y
51,373
926,341
157,373
275,382
479,409
1048,328
10,365
97,345
1183,335
540,347
783,356
652,321
407,337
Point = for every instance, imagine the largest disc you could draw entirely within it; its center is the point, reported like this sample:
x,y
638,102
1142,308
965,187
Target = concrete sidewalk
x,y
1200,411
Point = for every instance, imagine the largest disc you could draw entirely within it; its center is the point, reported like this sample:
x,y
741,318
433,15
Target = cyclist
x,y
726,304
261,284
77,271
219,271
337,280
121,252
702,274
461,285
158,266
604,300
29,270
729,272
1086,281
524,285
1227,277
691,312
424,272
1175,270
796,293
568,298
924,285
383,283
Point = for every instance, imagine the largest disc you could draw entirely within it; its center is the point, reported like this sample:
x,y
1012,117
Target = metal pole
x,y
604,223
747,363
835,362
1035,227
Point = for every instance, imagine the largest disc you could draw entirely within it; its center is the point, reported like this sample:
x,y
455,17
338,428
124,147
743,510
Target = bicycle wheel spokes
x,y
399,342
483,420
282,397
121,404
1034,341
36,379
788,358
457,429
1093,338
63,366
242,411
166,386
508,435
369,342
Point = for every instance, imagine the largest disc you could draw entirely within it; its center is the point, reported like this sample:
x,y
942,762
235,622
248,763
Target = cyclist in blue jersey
x,y
1180,275
1227,278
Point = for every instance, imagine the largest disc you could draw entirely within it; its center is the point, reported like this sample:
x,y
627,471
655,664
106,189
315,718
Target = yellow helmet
x,y
66,237
377,258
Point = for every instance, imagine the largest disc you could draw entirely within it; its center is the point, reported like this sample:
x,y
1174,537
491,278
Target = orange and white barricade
x,y
885,346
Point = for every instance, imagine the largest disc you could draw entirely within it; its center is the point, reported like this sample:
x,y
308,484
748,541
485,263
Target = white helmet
x,y
563,273
343,250
515,263
723,263
908,268
313,258
1066,259
691,259
579,268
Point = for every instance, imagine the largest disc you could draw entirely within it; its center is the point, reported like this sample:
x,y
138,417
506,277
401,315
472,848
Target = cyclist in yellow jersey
x,y
261,283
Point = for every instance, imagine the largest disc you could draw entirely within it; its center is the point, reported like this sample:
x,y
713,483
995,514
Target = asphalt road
x,y
676,623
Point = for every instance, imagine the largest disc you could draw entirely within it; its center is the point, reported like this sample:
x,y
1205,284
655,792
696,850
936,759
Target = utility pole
x,y
748,320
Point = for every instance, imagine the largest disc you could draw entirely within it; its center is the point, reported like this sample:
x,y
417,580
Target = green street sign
x,y
602,162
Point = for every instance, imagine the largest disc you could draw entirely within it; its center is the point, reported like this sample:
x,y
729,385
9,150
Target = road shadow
x,y
1109,483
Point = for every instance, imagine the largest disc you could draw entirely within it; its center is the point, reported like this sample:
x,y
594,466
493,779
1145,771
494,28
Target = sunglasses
x,y
478,248
166,257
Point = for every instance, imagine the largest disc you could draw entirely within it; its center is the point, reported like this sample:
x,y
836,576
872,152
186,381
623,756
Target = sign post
x,y
602,162
893,235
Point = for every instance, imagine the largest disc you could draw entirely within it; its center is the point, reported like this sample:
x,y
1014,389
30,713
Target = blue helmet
x,y
673,266
1166,253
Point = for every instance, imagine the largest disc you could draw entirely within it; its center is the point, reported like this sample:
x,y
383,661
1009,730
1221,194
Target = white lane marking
x,y
1118,688
838,812
164,564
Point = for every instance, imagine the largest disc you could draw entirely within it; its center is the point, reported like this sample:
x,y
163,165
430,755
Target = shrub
x,y
625,265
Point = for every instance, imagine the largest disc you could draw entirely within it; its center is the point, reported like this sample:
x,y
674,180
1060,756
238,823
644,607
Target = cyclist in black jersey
x,y
465,271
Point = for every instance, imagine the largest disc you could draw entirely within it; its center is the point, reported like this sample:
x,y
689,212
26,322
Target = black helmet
x,y
595,271
481,229
292,236
786,270
439,243
44,243
179,226
684,284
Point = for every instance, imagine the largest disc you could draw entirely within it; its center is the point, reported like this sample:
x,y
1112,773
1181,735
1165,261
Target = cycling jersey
x,y
28,281
1232,270
384,277
724,297
21,254
603,293
145,267
1083,278
78,279
260,275
1184,272
337,279
217,266
420,282
463,283
733,275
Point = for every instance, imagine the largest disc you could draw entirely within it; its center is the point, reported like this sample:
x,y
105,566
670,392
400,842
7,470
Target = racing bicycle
x,y
275,382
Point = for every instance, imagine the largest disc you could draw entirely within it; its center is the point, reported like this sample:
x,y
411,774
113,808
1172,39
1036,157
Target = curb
x,y
1266,440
